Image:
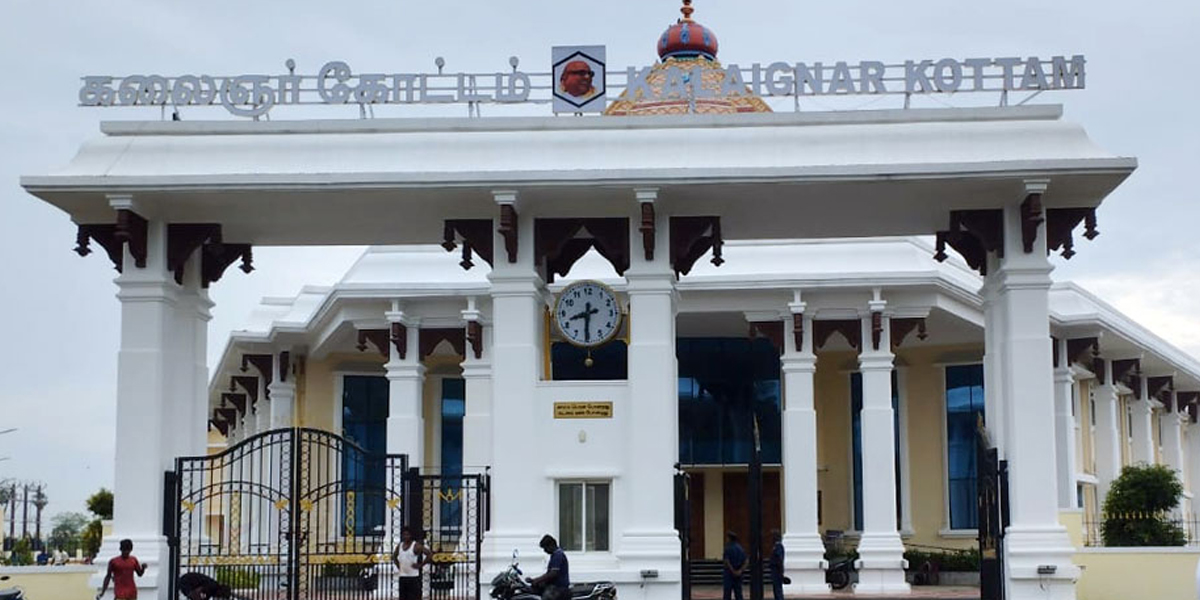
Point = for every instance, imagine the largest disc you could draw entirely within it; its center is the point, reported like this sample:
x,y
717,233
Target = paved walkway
x,y
939,592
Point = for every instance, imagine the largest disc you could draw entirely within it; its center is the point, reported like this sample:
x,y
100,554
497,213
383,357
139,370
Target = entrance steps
x,y
713,592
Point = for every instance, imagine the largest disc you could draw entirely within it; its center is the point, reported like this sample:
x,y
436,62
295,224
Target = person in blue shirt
x,y
735,562
556,581
777,564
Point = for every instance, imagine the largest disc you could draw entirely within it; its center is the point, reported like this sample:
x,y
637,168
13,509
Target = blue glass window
x,y
364,422
856,404
454,406
723,383
964,407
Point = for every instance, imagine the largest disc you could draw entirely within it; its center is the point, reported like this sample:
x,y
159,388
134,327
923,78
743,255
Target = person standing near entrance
x,y
777,564
410,556
120,573
735,563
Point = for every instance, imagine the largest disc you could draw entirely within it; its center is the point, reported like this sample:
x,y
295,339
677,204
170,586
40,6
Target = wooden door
x,y
737,508
696,500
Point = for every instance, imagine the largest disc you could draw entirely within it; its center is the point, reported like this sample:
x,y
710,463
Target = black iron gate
x,y
992,495
683,524
303,514
453,508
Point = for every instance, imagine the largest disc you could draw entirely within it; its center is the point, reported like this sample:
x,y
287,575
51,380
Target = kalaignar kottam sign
x,y
578,83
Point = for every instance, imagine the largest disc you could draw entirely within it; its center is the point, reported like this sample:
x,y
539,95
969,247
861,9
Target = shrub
x,y
1137,509
946,560
237,578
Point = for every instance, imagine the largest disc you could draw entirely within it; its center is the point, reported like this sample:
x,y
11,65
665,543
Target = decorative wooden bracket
x,y
876,329
285,365
475,336
263,363
556,247
851,329
1157,387
648,230
1031,218
378,338
399,339
244,401
216,257
973,233
691,237
430,338
900,328
130,229
771,330
798,331
185,238
220,425
247,383
1098,367
1083,350
476,236
1061,222
1188,401
508,230
1127,371
229,415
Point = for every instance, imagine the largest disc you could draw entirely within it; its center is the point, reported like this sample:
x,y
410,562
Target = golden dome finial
x,y
687,10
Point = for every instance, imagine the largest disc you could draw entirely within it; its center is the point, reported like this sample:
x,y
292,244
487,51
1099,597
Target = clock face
x,y
587,313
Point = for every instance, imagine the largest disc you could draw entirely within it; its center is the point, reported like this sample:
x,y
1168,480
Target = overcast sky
x,y
58,338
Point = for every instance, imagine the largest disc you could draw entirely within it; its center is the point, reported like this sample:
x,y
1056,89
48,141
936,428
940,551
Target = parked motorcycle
x,y
838,575
511,585
11,593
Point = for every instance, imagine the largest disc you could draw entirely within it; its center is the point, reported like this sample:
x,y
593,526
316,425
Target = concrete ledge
x,y
1143,550
49,570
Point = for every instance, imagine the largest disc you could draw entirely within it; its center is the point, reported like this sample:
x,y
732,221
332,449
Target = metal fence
x,y
1141,529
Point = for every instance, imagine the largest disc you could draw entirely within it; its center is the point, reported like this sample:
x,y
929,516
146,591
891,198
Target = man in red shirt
x,y
120,572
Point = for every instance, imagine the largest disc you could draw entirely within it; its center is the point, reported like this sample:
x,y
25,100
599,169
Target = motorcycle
x,y
11,593
838,574
509,584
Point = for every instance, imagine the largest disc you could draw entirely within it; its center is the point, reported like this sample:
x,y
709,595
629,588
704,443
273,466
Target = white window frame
x,y
558,484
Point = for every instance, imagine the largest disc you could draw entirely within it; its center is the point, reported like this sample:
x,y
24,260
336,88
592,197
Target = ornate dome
x,y
687,38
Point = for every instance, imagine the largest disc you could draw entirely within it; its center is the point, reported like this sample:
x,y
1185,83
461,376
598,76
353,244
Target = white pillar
x,y
283,392
477,376
1107,441
406,384
1064,428
1143,441
1172,424
1035,539
1193,464
881,564
522,499
805,553
158,388
648,534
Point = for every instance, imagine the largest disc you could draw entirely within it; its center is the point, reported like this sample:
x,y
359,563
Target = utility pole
x,y
25,510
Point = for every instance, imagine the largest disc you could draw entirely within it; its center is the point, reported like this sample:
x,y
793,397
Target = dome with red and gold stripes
x,y
687,38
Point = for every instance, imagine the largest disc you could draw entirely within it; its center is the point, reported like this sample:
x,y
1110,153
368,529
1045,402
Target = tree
x,y
1137,509
91,537
66,529
22,552
101,504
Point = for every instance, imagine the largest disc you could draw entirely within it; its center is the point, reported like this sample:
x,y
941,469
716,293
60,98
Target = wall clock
x,y
587,314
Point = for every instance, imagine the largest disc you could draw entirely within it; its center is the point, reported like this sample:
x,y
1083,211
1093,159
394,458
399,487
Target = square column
x,y
521,496
1064,428
649,534
1020,286
881,564
477,373
1193,465
1107,441
804,560
283,391
1143,441
161,399
406,383
1172,424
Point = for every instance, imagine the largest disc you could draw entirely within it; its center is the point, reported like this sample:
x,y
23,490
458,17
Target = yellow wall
x,y
52,582
1087,458
1136,574
315,408
714,513
832,388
